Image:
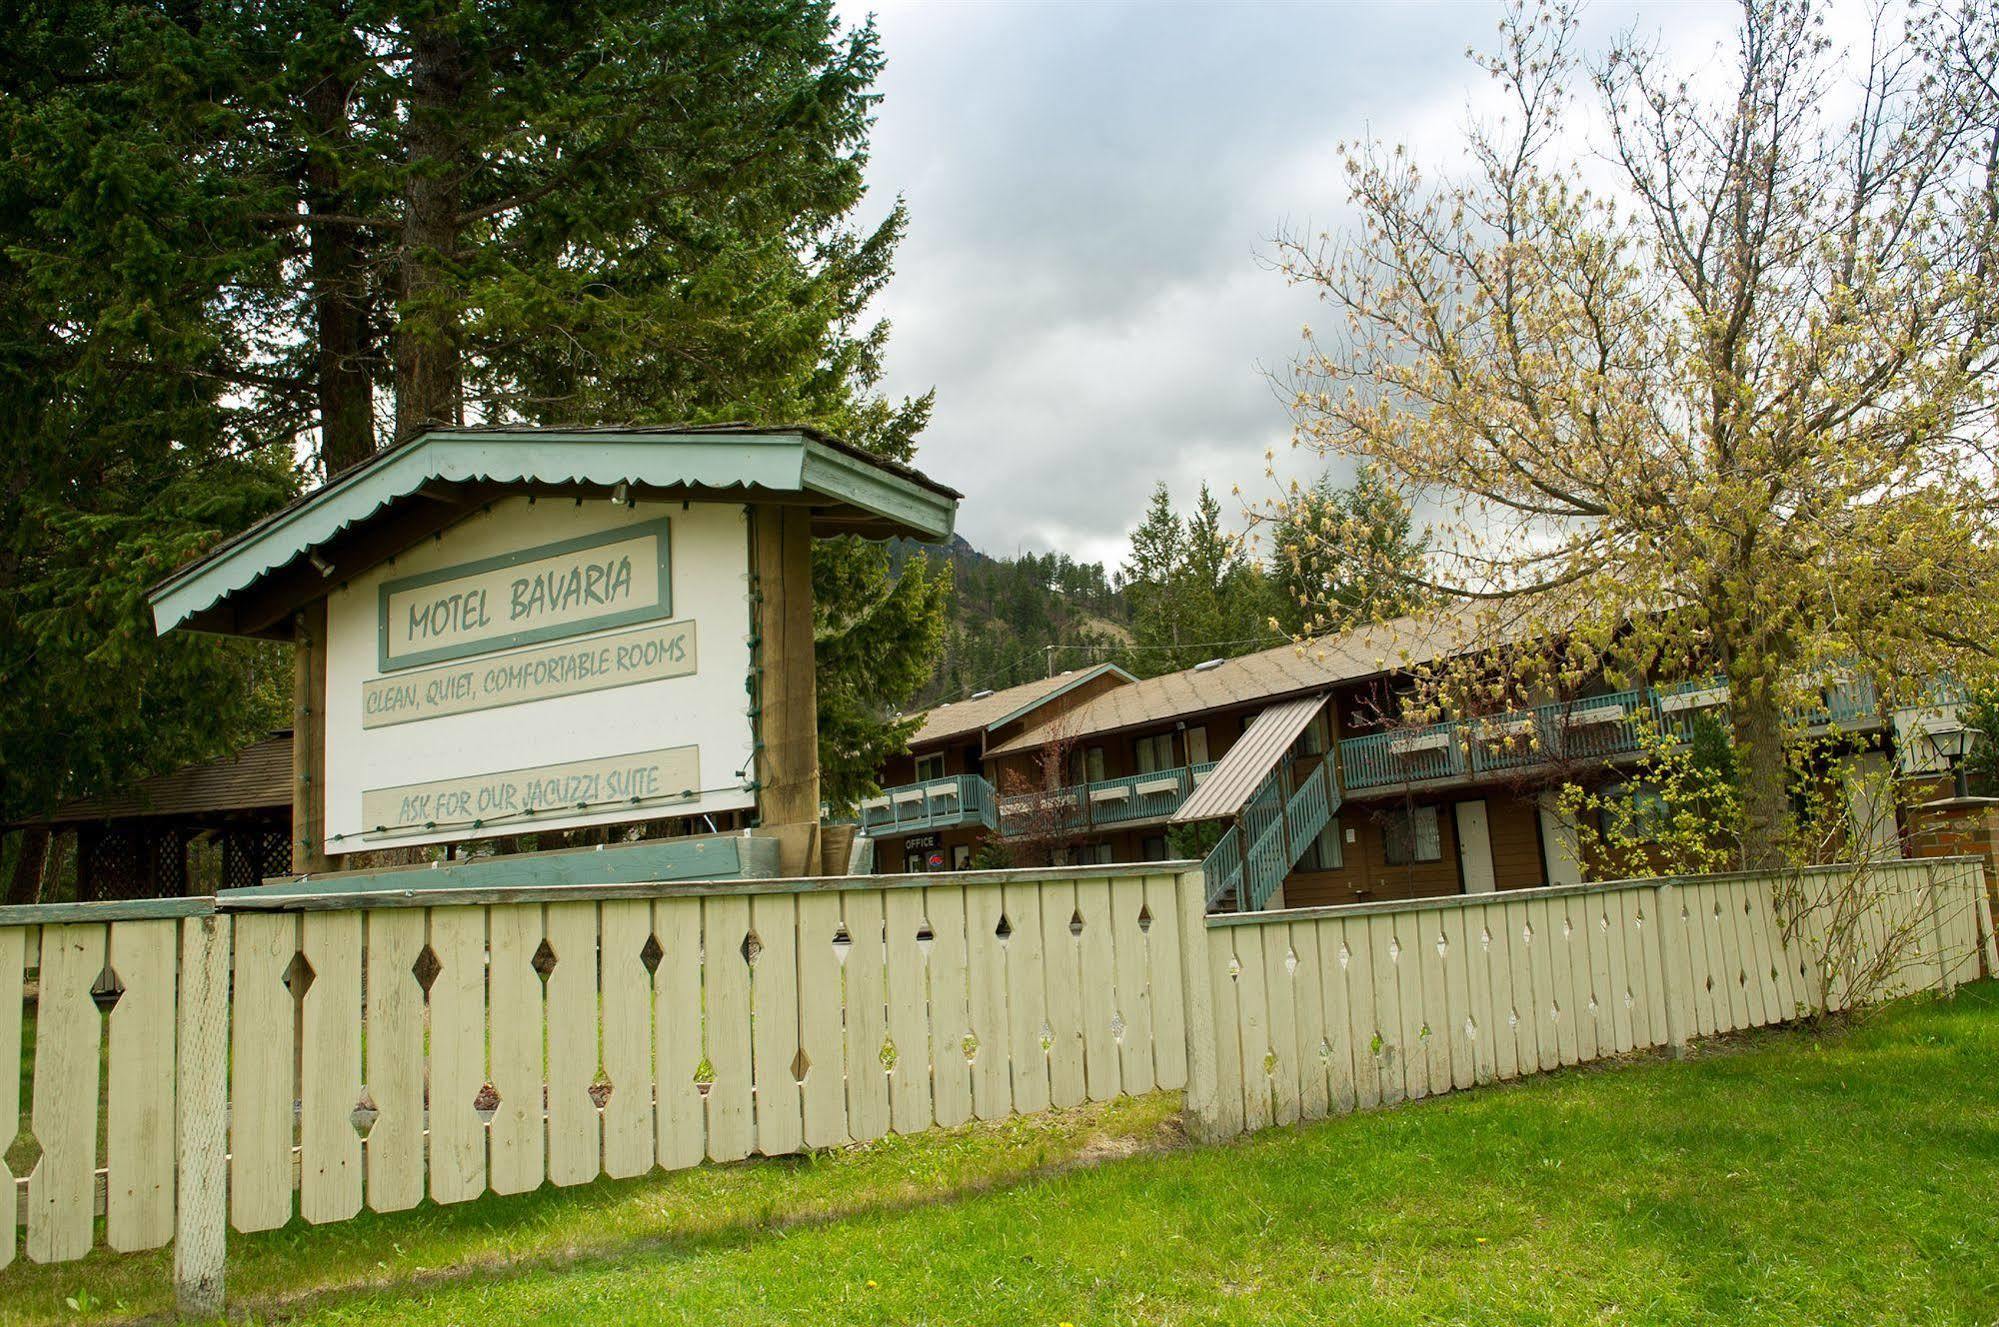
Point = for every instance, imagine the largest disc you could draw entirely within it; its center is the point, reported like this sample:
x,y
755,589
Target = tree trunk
x,y
427,334
346,387
26,884
1757,718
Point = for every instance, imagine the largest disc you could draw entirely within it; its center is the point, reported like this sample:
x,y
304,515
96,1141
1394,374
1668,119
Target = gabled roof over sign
x,y
249,584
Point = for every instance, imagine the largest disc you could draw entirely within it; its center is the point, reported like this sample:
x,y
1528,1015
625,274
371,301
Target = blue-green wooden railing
x,y
1278,828
1593,727
1123,801
967,799
912,808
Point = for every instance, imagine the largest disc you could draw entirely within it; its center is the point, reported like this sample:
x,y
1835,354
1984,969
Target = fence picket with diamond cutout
x,y
908,940
139,1106
866,1016
330,1068
393,1061
627,996
457,1007
774,1016
13,971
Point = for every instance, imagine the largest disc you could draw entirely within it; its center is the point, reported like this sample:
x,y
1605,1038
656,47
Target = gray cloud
x,y
1091,189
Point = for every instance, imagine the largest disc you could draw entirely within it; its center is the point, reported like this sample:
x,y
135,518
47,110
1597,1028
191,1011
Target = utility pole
x,y
1049,651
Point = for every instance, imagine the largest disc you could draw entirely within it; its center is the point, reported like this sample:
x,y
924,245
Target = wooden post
x,y
201,1222
1945,986
1201,1104
1672,929
787,767
309,739
1988,942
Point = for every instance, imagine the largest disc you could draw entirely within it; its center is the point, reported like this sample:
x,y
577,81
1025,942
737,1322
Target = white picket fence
x,y
1322,1010
315,1056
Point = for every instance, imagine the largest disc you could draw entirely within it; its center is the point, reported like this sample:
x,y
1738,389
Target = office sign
x,y
598,663
639,783
595,581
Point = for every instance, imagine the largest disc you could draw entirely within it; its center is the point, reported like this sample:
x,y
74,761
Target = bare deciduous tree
x,y
1715,395
1038,813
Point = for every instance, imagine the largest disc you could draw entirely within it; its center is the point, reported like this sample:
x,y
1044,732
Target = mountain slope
x,y
1015,618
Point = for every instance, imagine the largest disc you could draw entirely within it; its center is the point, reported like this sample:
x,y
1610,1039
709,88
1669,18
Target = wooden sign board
x,y
536,667
595,663
537,794
533,594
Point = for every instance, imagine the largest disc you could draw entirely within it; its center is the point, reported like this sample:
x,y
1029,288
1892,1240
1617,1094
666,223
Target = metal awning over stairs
x,y
1276,815
1234,780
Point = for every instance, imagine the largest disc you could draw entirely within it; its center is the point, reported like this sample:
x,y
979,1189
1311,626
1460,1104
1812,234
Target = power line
x,y
1184,645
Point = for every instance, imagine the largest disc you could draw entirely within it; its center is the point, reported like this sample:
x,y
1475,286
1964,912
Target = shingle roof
x,y
256,778
1269,674
993,708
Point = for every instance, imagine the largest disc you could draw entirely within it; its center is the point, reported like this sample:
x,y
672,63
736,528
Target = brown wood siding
x,y
1366,876
1049,710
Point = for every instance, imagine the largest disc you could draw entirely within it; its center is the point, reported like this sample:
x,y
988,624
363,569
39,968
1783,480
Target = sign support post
x,y
309,740
788,699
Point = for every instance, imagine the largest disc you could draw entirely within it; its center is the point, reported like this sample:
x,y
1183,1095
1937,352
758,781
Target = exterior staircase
x,y
1270,835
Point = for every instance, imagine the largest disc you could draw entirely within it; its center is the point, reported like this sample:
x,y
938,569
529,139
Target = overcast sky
x,y
1093,190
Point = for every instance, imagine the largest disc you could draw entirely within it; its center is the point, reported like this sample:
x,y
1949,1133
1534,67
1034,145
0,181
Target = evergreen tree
x,y
1344,557
1195,593
145,417
233,230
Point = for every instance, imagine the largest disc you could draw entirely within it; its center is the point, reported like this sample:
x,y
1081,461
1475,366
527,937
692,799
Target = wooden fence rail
x,y
199,1066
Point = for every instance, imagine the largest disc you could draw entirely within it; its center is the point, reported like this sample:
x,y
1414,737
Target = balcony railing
x,y
1108,802
1592,728
913,808
968,799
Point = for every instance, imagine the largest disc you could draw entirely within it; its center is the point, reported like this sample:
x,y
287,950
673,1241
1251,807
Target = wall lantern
x,y
1950,741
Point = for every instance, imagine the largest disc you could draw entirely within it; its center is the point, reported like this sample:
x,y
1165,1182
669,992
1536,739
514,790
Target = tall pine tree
x,y
1195,592
1345,557
242,232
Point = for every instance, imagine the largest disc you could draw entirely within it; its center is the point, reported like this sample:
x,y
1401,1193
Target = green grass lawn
x,y
1776,1178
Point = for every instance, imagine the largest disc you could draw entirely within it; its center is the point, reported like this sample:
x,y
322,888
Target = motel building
x,y
1277,769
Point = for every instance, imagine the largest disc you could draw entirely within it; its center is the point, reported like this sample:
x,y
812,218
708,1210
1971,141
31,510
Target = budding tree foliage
x,y
1694,366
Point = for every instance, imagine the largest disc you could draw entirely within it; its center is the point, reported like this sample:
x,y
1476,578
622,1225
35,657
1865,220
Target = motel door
x,y
1475,848
922,852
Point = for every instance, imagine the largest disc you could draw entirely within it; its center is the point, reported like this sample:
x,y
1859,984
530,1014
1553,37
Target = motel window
x,y
1412,836
1325,853
1634,812
1197,746
1093,765
1154,753
929,767
1083,854
1317,735
1152,848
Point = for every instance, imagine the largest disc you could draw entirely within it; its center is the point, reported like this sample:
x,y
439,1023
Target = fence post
x,y
1945,986
1672,929
1988,942
1201,1107
201,1101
